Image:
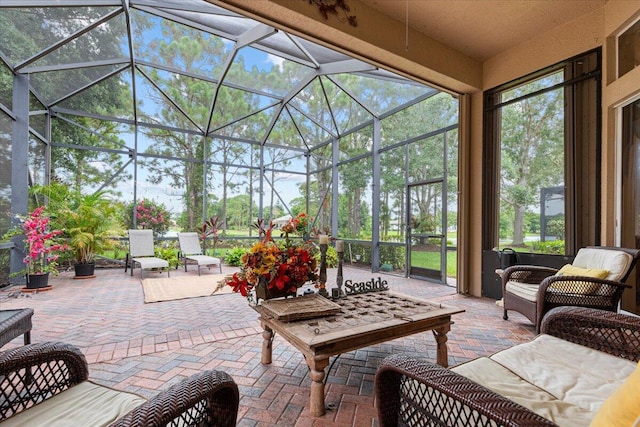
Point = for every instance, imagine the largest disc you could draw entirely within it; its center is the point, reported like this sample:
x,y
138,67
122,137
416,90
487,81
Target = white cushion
x,y
204,259
85,404
615,262
526,291
502,381
151,262
568,371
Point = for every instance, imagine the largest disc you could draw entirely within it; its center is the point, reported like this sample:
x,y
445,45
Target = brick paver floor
x,y
144,348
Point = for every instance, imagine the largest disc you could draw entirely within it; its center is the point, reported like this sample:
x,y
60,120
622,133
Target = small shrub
x,y
234,255
555,247
332,257
168,254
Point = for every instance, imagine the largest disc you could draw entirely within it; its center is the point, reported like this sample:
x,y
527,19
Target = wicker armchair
x,y
534,290
415,392
50,380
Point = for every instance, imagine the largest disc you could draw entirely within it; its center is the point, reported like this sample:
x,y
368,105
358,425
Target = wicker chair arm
x,y
35,372
209,398
614,333
579,282
442,398
526,274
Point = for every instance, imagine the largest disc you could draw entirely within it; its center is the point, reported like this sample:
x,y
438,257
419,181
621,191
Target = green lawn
x,y
432,260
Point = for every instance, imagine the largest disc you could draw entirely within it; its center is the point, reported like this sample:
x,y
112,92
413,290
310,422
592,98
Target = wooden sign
x,y
373,285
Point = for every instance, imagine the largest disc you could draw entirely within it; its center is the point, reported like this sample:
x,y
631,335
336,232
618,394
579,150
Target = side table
x,y
14,323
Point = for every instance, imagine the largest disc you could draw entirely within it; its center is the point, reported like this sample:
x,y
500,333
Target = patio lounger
x,y
191,251
141,252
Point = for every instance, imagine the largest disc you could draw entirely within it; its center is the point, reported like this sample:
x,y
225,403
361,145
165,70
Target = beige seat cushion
x,y
526,291
86,404
204,259
151,262
615,262
500,380
570,372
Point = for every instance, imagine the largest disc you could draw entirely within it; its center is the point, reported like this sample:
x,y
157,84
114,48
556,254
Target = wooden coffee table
x,y
364,320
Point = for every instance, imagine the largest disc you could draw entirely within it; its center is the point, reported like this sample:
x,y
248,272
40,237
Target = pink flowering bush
x,y
149,215
40,243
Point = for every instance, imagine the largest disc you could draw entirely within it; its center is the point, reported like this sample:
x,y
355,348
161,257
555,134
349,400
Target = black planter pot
x,y
85,269
37,281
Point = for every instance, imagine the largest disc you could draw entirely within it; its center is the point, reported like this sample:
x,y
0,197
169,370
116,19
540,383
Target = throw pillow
x,y
622,408
570,270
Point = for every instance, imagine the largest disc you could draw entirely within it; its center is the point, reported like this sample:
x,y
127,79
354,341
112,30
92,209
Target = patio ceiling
x,y
196,60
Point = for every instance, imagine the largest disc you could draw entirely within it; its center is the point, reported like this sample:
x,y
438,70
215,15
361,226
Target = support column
x,y
19,167
375,197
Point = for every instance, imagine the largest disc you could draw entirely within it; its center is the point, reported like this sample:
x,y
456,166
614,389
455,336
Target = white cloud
x,y
275,60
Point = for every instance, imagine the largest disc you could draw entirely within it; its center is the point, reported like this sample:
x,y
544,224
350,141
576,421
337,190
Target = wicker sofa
x,y
47,384
562,377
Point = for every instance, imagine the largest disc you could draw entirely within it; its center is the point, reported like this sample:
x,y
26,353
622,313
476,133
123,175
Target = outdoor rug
x,y
172,288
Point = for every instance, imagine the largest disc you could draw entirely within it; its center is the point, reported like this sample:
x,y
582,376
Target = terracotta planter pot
x,y
37,281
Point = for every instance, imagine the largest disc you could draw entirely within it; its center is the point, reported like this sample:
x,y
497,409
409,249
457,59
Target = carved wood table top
x,y
363,320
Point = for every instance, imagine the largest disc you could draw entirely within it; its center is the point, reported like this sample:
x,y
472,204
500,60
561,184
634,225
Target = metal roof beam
x,y
255,34
58,3
347,66
76,65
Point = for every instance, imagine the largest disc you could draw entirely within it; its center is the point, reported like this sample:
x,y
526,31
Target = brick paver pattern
x,y
144,348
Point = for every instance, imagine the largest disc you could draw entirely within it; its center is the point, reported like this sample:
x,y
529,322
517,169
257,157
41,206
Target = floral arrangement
x,y
41,246
279,267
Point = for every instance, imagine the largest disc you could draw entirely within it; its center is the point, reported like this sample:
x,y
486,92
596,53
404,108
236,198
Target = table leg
x,y
317,374
441,340
27,337
267,345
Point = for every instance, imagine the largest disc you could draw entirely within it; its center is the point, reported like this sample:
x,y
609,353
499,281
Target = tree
x,y
532,152
76,167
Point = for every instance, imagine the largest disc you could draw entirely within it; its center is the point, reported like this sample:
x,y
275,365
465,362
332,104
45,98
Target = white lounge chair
x,y
190,250
141,252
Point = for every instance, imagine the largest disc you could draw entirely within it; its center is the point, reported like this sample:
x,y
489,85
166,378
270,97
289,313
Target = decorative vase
x,y
85,269
37,281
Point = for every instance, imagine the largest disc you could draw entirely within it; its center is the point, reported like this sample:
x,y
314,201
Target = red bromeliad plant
x,y
42,249
277,267
210,228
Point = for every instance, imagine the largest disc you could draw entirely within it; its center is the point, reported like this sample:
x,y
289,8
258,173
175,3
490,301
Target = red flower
x,y
239,285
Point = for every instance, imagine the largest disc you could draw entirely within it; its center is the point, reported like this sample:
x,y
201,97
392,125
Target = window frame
x,y
583,125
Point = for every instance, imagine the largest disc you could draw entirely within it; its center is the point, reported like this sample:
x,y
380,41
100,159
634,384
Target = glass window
x,y
531,164
541,159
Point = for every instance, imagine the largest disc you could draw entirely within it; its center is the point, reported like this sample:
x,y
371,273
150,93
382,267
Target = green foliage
x,y
555,227
169,254
87,220
552,247
532,223
331,257
233,256
394,255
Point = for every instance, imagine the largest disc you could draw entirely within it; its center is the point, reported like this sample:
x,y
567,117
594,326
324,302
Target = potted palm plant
x,y
87,223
